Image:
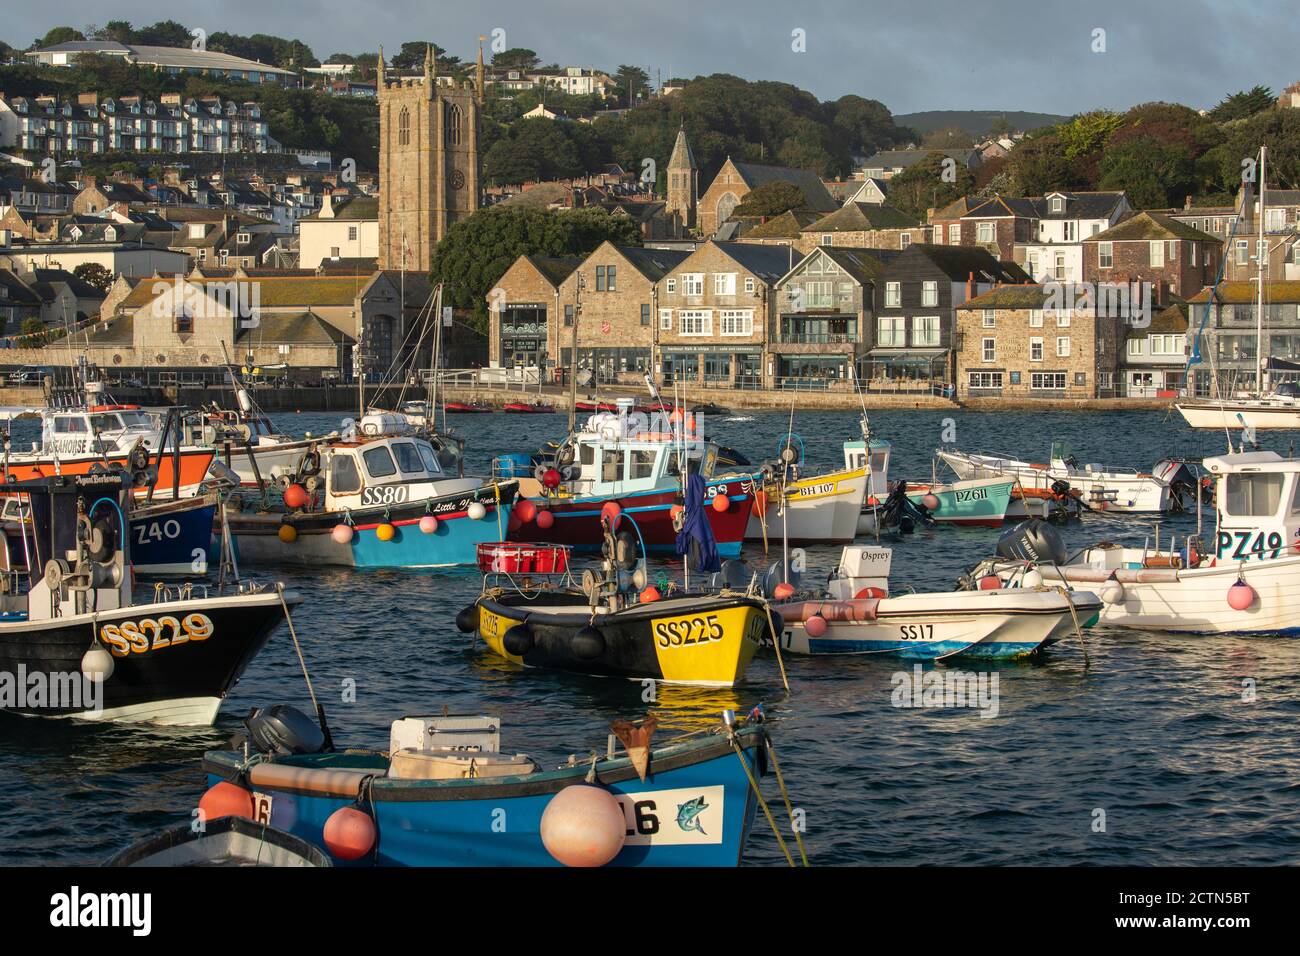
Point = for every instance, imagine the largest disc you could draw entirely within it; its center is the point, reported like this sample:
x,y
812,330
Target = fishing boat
x,y
807,509
227,841
1098,487
858,615
1247,582
168,538
443,793
973,502
616,463
877,465
376,498
72,644
526,408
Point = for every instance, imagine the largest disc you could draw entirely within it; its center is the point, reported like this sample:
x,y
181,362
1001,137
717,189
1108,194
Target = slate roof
x,y
814,191
766,262
354,209
1011,297
788,225
958,262
555,268
862,217
1151,226
274,292
654,264
302,328
864,265
905,158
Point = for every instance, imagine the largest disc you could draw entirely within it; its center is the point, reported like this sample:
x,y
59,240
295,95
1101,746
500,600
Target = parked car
x,y
28,375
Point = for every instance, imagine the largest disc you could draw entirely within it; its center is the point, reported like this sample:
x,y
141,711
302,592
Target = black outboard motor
x,y
899,511
1033,540
283,730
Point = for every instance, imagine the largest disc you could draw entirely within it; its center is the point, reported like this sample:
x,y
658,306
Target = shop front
x,y
523,336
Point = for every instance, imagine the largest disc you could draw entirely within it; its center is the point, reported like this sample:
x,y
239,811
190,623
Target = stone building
x,y
524,311
1022,341
735,180
683,185
428,163
863,226
1176,260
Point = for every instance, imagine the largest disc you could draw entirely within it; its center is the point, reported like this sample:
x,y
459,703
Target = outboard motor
x,y
1033,540
283,730
1183,483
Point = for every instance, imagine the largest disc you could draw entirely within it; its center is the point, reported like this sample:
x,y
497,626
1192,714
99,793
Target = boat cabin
x,y
97,429
855,457
380,471
1257,504
606,464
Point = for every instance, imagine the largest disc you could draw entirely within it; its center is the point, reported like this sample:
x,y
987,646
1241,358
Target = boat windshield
x,y
430,459
114,421
408,458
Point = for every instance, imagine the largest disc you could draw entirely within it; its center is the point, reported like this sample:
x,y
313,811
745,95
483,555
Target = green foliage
x,y
948,137
1038,165
1243,104
94,274
59,35
771,199
276,51
1088,132
1153,174
477,251
541,149
516,58
163,33
922,187
631,80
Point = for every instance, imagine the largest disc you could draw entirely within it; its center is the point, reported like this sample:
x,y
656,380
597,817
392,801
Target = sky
x,y
1044,56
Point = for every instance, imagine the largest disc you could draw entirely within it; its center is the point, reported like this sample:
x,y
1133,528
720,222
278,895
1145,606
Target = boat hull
x,y
457,823
978,502
453,543
1123,492
698,640
1236,414
173,661
577,520
823,509
1003,624
272,458
174,538
194,465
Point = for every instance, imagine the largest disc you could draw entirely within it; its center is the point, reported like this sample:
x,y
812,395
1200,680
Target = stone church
x,y
428,161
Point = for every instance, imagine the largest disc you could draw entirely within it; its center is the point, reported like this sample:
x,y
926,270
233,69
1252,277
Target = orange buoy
x,y
760,502
385,532
295,496
226,799
288,533
990,582
526,510
650,595
871,594
610,511
545,518
783,591
676,511
583,825
721,503
349,833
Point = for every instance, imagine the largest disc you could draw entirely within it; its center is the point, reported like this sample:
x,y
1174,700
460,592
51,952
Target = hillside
x,y
976,122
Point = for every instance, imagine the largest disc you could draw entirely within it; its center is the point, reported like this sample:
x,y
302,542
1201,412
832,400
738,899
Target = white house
x,y
1064,220
348,231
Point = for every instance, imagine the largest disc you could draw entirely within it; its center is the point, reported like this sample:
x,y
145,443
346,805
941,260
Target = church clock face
x,y
457,179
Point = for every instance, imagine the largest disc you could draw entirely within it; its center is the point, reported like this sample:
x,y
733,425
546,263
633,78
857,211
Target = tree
x,y
1038,165
1088,132
92,273
1152,174
771,199
533,150
930,184
164,33
631,84
866,126
1243,104
477,251
516,58
948,137
120,31
60,35
1000,126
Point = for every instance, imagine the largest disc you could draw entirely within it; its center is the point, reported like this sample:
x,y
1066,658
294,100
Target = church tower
x,y
683,184
428,163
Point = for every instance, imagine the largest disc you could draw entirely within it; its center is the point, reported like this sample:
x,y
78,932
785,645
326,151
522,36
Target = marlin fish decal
x,y
688,814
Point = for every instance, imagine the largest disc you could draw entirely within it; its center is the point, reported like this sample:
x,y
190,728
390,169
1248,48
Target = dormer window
x,y
1058,204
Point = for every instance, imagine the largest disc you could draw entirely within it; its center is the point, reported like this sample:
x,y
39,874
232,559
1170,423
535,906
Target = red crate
x,y
509,557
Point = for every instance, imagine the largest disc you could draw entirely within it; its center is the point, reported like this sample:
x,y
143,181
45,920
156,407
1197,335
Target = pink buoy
x,y
583,825
428,524
931,502
342,533
1241,596
545,519
815,625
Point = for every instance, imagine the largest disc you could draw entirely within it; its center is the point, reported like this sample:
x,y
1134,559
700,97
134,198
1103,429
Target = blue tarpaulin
x,y
696,537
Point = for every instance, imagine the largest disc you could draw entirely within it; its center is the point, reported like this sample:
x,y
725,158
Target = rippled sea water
x,y
1155,732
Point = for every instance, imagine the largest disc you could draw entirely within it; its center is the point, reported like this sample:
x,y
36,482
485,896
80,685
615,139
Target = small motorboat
x,y
858,616
466,408
442,793
973,502
712,410
1247,582
806,508
227,841
590,406
524,408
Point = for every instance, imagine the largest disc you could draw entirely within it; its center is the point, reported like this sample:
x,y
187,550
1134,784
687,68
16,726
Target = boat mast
x,y
1260,253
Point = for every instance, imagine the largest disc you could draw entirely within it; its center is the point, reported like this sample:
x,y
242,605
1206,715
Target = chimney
x,y
970,286
1187,203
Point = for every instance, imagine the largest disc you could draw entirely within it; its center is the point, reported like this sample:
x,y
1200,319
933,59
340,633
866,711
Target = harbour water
x,y
1167,749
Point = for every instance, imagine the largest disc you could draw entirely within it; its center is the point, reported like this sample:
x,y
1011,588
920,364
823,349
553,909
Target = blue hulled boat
x,y
465,804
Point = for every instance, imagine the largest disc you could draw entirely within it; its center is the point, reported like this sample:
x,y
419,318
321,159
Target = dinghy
x,y
228,841
443,793
1246,582
858,616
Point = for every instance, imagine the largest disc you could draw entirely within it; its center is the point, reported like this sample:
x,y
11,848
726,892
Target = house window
x,y
826,239
696,322
666,320
724,283
1243,252
645,313
1058,204
1062,346
929,294
893,295
1172,253
671,285
986,232
984,379
1035,318
1157,255
1068,233
352,233
954,234
1035,350
1062,318
904,240
182,324
568,316
736,321
600,278
1047,380
1105,255
990,319
925,330
990,350
891,331
819,295
749,285
693,283
1059,273
1135,347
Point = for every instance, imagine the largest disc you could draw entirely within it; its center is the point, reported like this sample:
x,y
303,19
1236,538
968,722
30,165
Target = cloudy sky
x,y
912,55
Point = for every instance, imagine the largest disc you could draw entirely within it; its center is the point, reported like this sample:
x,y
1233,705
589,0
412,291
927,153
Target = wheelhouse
x,y
381,471
101,428
1257,505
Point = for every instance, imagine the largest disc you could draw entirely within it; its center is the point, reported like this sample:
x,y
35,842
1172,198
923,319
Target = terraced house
x,y
1025,341
1229,343
863,226
714,312
1174,260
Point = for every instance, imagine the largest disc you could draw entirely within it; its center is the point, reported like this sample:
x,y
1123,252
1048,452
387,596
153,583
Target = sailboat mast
x,y
1261,251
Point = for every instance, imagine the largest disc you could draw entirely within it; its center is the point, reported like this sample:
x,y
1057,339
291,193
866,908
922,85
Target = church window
x,y
454,124
404,127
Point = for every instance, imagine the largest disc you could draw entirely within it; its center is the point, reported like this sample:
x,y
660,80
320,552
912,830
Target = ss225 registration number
x,y
687,631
